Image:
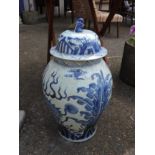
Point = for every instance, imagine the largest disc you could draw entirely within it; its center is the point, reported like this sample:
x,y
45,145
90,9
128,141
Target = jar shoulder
x,y
76,67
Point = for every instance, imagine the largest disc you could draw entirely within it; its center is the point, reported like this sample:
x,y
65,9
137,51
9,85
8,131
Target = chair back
x,y
82,9
87,10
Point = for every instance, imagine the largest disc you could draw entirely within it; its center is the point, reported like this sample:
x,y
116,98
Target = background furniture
x,y
102,3
81,8
117,18
88,10
51,35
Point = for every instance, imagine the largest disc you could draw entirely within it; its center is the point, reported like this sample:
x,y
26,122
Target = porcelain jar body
x,y
77,92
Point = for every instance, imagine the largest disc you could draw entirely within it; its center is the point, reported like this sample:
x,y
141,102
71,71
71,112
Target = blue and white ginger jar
x,y
77,83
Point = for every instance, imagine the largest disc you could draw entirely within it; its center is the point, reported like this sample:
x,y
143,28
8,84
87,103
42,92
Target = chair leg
x,y
117,29
109,28
101,40
89,24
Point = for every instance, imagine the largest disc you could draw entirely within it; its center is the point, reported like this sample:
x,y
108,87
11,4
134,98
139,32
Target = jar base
x,y
88,134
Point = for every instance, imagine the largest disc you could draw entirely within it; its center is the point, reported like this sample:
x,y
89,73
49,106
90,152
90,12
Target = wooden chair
x,y
51,34
88,10
50,15
105,6
103,3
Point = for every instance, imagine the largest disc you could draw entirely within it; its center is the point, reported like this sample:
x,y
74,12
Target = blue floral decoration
x,y
97,95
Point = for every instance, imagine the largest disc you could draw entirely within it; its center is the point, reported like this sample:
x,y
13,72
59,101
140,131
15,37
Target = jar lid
x,y
79,44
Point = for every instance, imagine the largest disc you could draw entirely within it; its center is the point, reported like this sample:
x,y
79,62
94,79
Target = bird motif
x,y
76,73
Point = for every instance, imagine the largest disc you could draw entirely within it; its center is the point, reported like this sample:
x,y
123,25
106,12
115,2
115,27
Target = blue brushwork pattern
x,y
97,95
52,94
69,108
77,46
76,136
79,25
76,74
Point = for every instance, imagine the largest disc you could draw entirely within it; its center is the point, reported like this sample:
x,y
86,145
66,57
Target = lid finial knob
x,y
79,25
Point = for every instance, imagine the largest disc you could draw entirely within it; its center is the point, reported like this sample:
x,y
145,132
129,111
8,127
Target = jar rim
x,y
102,53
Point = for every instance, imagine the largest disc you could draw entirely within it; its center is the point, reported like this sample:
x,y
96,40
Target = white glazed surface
x,y
69,83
